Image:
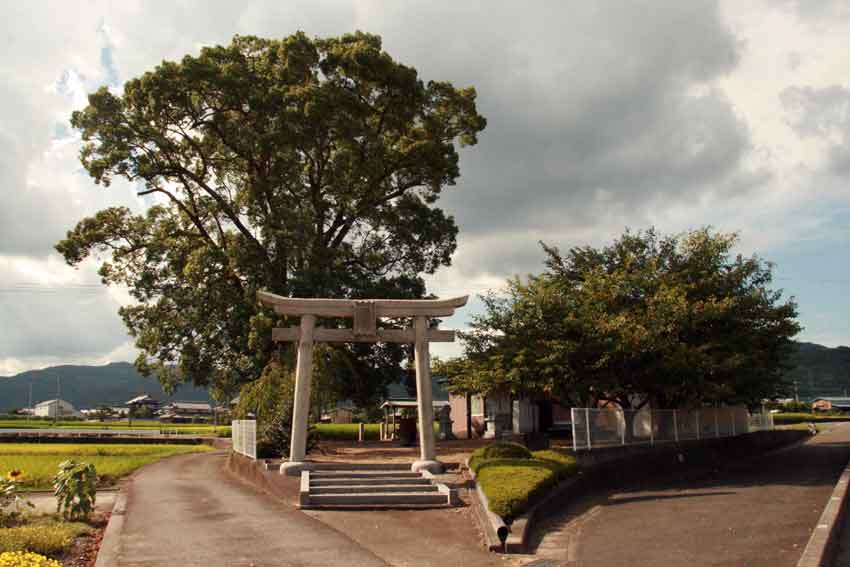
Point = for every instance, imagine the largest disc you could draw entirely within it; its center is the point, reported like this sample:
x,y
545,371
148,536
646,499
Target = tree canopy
x,y
672,320
308,167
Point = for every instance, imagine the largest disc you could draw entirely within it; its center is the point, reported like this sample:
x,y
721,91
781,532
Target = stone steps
x,y
372,488
354,486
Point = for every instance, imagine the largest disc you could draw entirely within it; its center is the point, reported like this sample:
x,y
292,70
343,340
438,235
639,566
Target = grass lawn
x,y
181,428
39,461
346,431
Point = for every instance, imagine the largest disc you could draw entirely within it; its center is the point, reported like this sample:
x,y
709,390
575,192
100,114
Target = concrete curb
x,y
520,530
823,543
110,544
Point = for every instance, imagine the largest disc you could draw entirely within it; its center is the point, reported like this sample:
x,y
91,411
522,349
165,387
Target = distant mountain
x,y
819,371
88,386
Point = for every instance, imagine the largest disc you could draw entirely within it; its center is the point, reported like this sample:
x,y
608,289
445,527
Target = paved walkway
x,y
759,512
187,511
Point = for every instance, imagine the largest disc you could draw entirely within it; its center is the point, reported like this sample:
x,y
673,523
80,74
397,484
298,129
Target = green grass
x,y
39,462
147,425
346,431
785,418
47,536
514,483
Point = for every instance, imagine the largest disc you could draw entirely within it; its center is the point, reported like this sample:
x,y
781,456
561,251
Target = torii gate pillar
x,y
365,314
424,394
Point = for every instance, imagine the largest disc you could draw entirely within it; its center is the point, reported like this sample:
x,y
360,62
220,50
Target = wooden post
x,y
424,398
301,407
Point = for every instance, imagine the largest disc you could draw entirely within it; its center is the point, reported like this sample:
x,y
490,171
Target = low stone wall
x,y
281,487
617,466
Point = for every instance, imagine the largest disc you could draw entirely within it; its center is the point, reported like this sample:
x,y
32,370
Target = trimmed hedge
x,y
513,484
498,450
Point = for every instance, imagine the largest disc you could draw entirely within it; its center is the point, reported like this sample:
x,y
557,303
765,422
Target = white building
x,y
55,408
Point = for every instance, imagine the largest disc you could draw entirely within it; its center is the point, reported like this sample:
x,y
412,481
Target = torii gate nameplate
x,y
365,314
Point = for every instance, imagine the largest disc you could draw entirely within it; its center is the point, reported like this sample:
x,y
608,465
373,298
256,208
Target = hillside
x,y
87,386
820,371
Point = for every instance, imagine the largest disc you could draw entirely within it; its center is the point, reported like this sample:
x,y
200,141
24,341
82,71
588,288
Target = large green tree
x,y
308,167
669,320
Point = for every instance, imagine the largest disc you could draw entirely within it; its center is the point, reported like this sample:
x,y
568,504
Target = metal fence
x,y
243,432
593,427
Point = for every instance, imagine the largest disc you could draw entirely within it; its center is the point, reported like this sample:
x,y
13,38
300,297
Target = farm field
x,y
39,462
146,425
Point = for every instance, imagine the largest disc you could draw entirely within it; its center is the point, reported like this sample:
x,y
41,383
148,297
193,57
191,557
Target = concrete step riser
x,y
366,481
376,499
425,488
364,474
335,467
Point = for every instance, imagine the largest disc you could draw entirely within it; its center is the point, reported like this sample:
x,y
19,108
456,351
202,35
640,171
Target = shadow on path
x,y
757,511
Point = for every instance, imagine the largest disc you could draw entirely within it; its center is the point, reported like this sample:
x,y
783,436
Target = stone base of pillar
x,y
294,468
433,467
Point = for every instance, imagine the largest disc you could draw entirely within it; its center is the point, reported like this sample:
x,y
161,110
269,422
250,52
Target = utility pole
x,y
58,411
29,404
796,394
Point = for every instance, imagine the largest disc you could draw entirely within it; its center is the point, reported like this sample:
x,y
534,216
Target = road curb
x,y
107,555
823,543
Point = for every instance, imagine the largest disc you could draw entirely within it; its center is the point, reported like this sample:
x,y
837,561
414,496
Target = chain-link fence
x,y
594,427
243,432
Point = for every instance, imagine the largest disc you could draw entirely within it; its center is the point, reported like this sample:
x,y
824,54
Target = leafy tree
x,y
667,320
308,167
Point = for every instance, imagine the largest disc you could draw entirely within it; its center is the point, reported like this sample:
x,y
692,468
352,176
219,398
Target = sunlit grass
x,y
39,461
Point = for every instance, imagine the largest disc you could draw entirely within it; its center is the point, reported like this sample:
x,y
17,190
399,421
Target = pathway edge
x,y
823,543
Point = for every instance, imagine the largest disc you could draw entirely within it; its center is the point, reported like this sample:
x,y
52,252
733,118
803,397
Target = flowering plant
x,y
26,559
10,500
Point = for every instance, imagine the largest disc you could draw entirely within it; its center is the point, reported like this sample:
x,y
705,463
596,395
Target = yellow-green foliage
x,y
26,559
511,485
514,484
498,450
46,536
39,461
147,425
346,431
565,465
784,418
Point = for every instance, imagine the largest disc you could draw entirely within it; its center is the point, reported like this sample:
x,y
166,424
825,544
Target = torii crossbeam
x,y
365,313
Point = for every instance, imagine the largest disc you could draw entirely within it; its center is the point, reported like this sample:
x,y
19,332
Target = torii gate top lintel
x,y
347,307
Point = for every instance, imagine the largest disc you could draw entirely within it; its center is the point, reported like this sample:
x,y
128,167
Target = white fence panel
x,y
243,432
605,427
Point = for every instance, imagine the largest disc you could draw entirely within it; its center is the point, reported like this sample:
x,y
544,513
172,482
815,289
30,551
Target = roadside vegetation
x,y
40,461
788,418
514,478
146,425
346,431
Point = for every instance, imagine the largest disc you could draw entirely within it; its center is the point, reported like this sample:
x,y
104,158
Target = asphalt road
x,y
187,511
757,512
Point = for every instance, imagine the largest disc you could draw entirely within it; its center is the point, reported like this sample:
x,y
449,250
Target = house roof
x,y
401,391
140,399
196,406
411,404
51,402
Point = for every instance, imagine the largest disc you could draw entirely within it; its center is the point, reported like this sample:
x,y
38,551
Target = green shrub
x,y
565,465
498,450
47,537
275,435
786,418
513,478
512,485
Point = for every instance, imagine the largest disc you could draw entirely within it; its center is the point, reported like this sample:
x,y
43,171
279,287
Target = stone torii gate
x,y
365,314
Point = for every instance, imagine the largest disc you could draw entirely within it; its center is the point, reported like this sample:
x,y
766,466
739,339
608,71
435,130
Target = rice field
x,y
39,461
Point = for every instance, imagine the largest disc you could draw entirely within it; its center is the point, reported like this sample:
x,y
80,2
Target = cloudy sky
x,y
601,116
